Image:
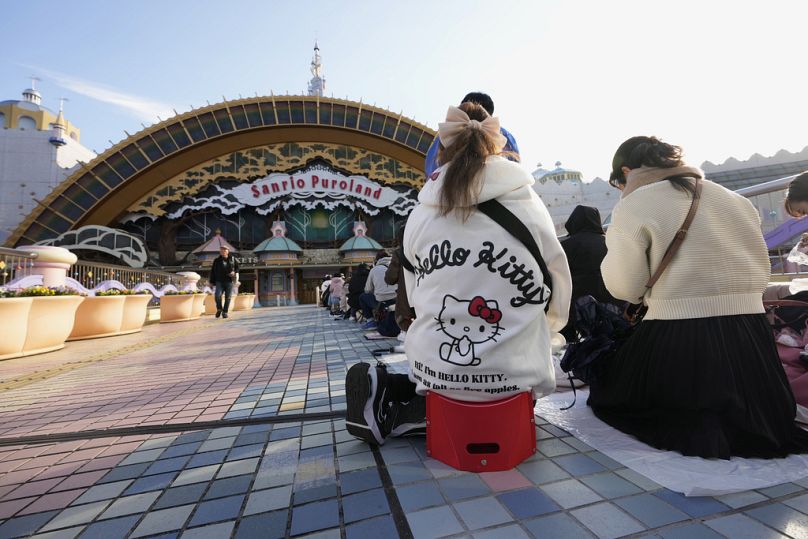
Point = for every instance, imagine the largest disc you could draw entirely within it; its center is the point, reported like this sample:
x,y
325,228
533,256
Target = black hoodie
x,y
585,248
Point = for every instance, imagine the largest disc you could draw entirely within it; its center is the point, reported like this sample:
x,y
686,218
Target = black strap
x,y
510,222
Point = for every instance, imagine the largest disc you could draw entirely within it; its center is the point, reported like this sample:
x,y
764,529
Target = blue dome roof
x,y
361,243
284,245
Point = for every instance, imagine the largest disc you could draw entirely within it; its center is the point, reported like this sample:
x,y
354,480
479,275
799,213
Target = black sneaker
x,y
225,315
365,391
218,314
407,418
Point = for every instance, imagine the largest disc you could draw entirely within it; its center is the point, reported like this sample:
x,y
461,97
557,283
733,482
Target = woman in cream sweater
x,y
701,374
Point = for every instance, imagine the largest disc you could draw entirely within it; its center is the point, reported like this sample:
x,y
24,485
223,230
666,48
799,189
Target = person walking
x,y
223,273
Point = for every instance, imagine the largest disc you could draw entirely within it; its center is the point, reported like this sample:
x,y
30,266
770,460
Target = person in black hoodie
x,y
585,249
356,286
222,276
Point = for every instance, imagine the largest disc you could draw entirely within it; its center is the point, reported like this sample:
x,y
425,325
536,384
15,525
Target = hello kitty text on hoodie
x,y
481,331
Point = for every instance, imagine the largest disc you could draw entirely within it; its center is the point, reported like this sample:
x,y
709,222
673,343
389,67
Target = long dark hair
x,y
643,151
797,192
466,155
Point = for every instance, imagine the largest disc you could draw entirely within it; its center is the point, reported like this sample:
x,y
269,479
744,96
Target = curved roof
x,y
277,244
361,243
99,192
214,244
25,105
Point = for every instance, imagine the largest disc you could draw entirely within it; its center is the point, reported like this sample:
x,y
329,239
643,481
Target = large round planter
x,y
98,316
14,316
244,302
134,312
176,308
210,304
198,306
50,322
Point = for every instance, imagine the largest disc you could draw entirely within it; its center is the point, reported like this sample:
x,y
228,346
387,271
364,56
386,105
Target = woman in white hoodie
x,y
484,313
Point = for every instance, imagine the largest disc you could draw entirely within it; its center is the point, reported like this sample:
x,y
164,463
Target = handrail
x,y
5,251
768,187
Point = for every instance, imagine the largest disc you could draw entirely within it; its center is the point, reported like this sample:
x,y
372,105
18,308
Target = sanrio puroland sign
x,y
314,183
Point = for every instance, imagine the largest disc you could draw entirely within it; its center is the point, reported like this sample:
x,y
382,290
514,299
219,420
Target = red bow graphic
x,y
479,307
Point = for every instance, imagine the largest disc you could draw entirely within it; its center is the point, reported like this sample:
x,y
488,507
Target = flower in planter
x,y
133,292
179,293
43,291
8,293
110,292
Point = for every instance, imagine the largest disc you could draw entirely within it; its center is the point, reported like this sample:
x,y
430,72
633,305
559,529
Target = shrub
x,y
41,291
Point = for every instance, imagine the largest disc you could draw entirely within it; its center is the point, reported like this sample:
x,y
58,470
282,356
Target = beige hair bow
x,y
457,121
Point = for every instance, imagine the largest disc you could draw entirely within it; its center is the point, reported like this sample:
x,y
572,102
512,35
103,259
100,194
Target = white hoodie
x,y
480,331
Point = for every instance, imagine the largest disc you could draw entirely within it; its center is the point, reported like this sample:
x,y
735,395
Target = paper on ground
x,y
692,476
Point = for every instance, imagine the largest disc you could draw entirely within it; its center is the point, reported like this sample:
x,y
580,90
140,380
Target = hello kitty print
x,y
467,323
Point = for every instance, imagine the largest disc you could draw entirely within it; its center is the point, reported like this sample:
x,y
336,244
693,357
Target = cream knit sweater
x,y
721,268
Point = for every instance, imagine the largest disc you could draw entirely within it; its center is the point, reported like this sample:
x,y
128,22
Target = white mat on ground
x,y
692,476
396,363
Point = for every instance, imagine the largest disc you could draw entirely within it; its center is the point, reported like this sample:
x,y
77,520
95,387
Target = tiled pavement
x,y
306,478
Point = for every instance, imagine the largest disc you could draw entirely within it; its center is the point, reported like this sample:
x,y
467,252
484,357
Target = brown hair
x,y
797,192
466,157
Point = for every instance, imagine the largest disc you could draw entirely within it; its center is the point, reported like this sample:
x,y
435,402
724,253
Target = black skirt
x,y
708,387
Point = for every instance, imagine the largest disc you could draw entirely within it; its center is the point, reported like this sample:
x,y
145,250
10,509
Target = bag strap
x,y
679,237
511,223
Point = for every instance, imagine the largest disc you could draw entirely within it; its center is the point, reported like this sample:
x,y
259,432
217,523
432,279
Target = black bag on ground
x,y
603,329
387,326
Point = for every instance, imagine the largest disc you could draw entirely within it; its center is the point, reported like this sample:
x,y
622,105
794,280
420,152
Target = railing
x,y
90,274
14,264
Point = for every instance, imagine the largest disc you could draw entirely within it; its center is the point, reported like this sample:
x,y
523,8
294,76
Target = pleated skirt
x,y
708,387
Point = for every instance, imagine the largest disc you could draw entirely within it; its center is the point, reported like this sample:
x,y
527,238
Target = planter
x,y
244,302
134,312
198,306
14,314
50,322
98,316
210,303
176,308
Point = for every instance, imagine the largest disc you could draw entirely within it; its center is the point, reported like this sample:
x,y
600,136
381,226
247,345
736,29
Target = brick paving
x,y
302,478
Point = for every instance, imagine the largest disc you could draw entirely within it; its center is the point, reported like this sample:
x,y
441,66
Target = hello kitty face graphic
x,y
467,323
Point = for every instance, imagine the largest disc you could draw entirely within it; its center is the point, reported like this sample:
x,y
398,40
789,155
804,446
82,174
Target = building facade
x,y
39,148
563,189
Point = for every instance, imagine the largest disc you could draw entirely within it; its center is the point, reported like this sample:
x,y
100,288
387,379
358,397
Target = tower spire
x,y
317,82
31,94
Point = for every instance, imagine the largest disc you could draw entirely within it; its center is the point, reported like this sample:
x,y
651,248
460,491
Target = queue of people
x,y
487,283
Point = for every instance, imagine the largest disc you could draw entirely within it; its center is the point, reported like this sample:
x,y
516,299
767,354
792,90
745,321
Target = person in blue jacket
x,y
485,101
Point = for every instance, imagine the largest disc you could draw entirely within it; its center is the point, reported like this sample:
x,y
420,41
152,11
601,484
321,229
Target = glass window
x,y
79,197
268,112
401,133
163,139
325,113
178,134
208,123
253,114
2,120
364,120
195,129
311,112
351,117
54,221
239,117
91,184
377,124
26,122
121,166
283,112
412,138
277,282
338,119
134,156
389,126
107,175
150,148
223,119
37,232
67,208
296,109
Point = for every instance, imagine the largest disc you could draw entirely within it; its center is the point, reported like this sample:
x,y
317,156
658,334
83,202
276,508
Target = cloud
x,y
144,109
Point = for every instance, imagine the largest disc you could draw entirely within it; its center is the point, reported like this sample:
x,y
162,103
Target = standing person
x,y
700,375
356,287
223,274
376,289
485,101
483,299
324,291
335,292
395,276
585,249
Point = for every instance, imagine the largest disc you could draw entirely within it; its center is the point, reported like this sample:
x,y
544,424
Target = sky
x,y
570,79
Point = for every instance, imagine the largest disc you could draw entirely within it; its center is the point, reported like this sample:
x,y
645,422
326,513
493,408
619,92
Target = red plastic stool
x,y
480,436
